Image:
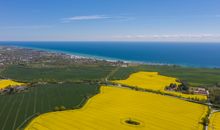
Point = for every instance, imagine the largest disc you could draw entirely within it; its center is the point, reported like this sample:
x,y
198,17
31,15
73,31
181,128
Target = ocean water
x,y
187,54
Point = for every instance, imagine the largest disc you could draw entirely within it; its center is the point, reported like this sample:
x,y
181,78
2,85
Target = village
x,y
10,55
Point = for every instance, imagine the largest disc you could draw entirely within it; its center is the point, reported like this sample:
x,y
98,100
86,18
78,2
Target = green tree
x,y
62,108
56,108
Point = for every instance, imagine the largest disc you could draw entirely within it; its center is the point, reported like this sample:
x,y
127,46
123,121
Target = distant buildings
x,y
201,91
16,55
191,90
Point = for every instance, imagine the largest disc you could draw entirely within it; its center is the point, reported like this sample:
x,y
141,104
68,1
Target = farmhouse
x,y
201,91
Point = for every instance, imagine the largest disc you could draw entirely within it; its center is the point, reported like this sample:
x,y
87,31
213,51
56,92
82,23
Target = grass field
x,y
215,121
156,82
195,76
113,107
32,74
14,109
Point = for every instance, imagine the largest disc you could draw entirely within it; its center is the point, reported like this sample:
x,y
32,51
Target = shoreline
x,y
109,59
87,56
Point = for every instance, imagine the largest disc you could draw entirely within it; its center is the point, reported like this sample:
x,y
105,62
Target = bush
x,y
62,108
132,122
56,108
205,121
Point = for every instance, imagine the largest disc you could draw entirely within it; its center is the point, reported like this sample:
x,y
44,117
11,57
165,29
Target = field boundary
x,y
158,92
21,126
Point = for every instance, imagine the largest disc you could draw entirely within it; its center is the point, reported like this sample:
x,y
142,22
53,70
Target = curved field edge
x,y
17,108
112,106
214,123
153,81
195,76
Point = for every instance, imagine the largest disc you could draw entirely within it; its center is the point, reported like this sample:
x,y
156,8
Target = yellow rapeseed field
x,y
215,121
154,81
110,110
6,83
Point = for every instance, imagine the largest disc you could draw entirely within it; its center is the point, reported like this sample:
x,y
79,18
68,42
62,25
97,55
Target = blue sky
x,y
110,20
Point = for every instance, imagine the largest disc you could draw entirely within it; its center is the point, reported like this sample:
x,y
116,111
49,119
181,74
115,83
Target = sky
x,y
110,20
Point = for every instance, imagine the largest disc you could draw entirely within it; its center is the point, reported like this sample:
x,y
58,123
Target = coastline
x,y
110,59
81,55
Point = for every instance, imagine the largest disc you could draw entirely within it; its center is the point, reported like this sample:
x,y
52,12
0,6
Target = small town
x,y
10,55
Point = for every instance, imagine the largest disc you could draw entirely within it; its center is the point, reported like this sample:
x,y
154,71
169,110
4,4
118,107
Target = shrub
x,y
62,108
56,108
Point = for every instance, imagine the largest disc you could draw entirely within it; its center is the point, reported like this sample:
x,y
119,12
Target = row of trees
x,y
59,108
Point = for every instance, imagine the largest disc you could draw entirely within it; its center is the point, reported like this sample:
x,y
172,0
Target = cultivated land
x,y
114,107
68,83
195,76
215,121
6,83
16,108
156,82
56,74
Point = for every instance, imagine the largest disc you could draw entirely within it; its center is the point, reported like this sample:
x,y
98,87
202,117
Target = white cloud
x,y
171,37
96,17
88,17
102,37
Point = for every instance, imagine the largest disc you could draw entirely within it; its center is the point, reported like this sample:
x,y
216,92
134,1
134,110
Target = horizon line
x,y
106,41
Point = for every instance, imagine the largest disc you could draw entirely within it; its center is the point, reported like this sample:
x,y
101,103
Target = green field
x,y
33,74
195,76
14,109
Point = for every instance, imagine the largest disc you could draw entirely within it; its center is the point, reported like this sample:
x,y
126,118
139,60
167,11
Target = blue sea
x,y
179,53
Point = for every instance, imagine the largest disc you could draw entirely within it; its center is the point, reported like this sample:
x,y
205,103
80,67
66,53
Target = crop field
x,y
16,108
125,109
6,83
154,81
148,80
215,121
31,74
195,76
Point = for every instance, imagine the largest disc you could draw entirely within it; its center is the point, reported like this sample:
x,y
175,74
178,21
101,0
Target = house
x,y
201,91
124,65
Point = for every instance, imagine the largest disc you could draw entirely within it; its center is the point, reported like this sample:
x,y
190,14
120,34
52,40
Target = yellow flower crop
x,y
154,81
125,109
6,83
215,121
